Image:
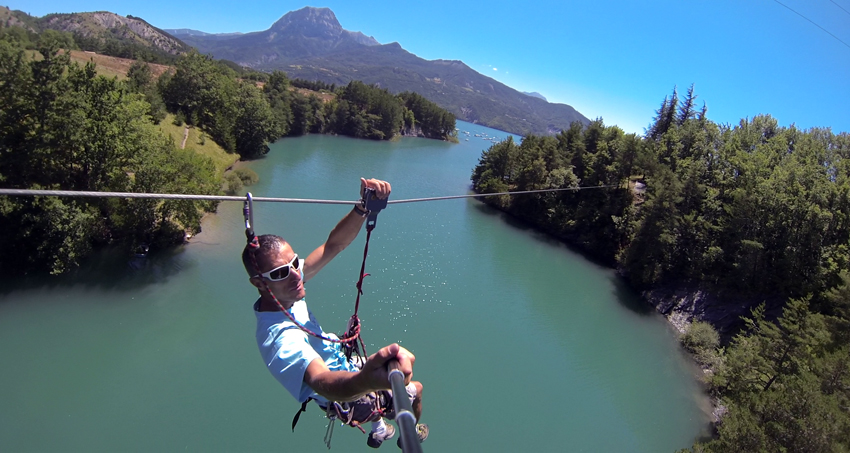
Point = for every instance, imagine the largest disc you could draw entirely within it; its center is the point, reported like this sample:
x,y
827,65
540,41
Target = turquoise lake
x,y
521,343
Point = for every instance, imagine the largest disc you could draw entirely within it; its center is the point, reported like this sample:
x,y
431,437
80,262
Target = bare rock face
x,y
309,22
316,23
308,32
360,38
97,23
684,305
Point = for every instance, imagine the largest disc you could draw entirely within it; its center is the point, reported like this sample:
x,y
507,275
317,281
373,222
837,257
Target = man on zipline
x,y
310,367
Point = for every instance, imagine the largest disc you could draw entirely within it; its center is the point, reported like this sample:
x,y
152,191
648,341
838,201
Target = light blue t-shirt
x,y
287,350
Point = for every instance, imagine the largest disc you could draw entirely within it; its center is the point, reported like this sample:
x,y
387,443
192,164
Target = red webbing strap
x,y
354,321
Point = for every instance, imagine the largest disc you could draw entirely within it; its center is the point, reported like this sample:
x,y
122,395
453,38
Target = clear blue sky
x,y
613,59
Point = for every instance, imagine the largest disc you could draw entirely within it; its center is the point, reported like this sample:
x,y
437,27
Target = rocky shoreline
x,y
682,305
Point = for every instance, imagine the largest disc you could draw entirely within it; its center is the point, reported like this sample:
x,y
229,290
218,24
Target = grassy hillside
x,y
113,66
105,65
117,67
200,143
196,140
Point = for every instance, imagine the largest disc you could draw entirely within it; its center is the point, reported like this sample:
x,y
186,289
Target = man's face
x,y
288,290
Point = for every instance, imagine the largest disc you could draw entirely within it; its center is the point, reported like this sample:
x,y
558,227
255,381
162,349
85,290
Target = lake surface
x,y
521,344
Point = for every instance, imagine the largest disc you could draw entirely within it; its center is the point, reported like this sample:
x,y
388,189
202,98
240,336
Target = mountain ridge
x,y
104,24
536,95
310,43
191,32
305,32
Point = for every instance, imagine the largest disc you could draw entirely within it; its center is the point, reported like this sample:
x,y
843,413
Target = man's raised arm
x,y
344,232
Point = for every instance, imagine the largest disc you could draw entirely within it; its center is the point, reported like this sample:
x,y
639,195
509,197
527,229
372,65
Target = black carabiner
x,y
248,214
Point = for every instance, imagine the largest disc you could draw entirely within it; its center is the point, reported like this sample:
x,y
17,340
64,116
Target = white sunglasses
x,y
282,272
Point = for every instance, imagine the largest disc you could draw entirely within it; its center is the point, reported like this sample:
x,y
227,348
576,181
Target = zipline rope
x,y
177,196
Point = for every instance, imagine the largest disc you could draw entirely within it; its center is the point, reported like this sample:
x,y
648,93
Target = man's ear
x,y
257,282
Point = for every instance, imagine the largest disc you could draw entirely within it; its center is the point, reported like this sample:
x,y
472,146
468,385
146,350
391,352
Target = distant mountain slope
x,y
104,25
303,33
311,44
190,32
535,94
10,18
100,29
450,83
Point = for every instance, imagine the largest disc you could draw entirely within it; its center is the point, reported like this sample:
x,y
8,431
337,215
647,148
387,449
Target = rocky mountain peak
x,y
311,44
310,22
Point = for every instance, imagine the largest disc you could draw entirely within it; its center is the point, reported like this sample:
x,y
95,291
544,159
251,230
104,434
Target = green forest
x,y
750,212
244,118
62,126
754,213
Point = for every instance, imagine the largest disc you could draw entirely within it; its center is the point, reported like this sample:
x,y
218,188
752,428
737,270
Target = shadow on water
x,y
624,294
111,269
519,224
542,236
628,298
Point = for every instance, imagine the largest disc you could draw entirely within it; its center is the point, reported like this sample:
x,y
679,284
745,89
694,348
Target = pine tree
x,y
686,110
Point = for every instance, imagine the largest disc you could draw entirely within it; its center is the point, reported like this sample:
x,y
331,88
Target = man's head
x,y
274,265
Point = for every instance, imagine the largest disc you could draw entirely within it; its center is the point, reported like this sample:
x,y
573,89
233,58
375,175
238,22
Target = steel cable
x,y
177,196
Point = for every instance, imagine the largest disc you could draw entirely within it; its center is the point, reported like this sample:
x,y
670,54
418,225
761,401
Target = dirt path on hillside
x,y
185,137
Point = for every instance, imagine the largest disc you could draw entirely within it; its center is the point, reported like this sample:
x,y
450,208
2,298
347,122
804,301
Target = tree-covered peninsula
x,y
243,118
63,126
754,214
